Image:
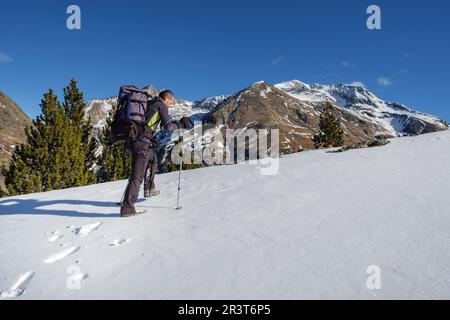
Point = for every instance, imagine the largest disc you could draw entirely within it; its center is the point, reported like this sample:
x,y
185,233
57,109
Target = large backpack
x,y
131,108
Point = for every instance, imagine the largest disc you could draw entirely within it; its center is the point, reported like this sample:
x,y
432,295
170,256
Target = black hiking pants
x,y
141,154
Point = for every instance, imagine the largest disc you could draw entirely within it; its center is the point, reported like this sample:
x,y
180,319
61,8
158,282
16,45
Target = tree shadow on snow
x,y
13,206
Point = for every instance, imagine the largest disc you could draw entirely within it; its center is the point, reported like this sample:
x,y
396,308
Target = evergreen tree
x,y
115,161
331,133
46,144
59,152
74,108
36,165
73,105
19,176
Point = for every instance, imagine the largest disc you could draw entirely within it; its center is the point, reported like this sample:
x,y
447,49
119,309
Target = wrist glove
x,y
186,123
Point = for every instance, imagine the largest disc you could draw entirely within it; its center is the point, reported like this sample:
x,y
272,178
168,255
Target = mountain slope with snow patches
x,y
311,231
396,118
294,108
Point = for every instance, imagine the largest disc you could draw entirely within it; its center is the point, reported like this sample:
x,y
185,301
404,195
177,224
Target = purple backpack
x,y
131,108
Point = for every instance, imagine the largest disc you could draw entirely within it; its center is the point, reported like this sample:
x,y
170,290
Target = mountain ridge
x,y
357,99
361,101
294,108
354,104
13,121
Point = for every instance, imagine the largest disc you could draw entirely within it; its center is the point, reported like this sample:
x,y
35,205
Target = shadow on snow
x,y
11,206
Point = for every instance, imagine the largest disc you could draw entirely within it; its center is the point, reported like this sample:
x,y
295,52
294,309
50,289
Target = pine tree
x,y
331,133
74,108
46,144
73,105
59,152
115,161
33,168
20,177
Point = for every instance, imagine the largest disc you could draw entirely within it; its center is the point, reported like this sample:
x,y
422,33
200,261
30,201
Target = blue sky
x,y
205,48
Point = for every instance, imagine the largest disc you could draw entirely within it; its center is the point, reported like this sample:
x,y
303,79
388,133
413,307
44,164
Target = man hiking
x,y
142,149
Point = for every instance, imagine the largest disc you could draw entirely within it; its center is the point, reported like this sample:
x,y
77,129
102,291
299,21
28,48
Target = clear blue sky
x,y
205,48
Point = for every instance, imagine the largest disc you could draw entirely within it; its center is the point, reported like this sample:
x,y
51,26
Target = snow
x,y
290,85
263,93
258,83
311,231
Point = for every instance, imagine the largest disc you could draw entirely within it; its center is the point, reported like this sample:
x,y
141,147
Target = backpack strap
x,y
154,121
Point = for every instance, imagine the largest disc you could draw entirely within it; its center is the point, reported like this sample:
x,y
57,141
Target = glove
x,y
186,123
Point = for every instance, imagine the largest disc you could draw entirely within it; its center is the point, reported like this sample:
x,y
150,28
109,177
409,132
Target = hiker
x,y
142,148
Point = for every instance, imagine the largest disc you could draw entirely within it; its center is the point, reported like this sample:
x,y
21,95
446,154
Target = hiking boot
x,y
131,214
151,193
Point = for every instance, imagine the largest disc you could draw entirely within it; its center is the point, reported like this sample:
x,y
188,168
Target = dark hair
x,y
166,93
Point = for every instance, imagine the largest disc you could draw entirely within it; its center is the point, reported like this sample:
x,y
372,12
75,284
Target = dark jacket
x,y
157,114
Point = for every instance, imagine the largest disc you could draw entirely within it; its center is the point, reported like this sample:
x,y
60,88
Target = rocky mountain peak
x,y
12,126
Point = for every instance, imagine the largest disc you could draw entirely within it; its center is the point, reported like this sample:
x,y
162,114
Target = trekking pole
x,y
180,139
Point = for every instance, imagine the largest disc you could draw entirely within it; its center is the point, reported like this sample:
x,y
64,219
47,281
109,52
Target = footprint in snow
x,y
86,229
19,287
54,237
79,277
118,242
61,255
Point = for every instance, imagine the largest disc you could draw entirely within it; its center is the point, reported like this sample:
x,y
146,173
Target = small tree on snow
x,y
331,133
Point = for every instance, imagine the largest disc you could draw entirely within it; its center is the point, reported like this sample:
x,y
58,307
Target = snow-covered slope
x,y
311,231
397,118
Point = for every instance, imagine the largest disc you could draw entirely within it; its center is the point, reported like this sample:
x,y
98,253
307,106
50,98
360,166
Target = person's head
x,y
167,97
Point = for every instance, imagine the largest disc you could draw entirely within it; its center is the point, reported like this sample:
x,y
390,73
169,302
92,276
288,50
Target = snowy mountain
x,y
294,108
99,110
262,105
396,118
311,231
